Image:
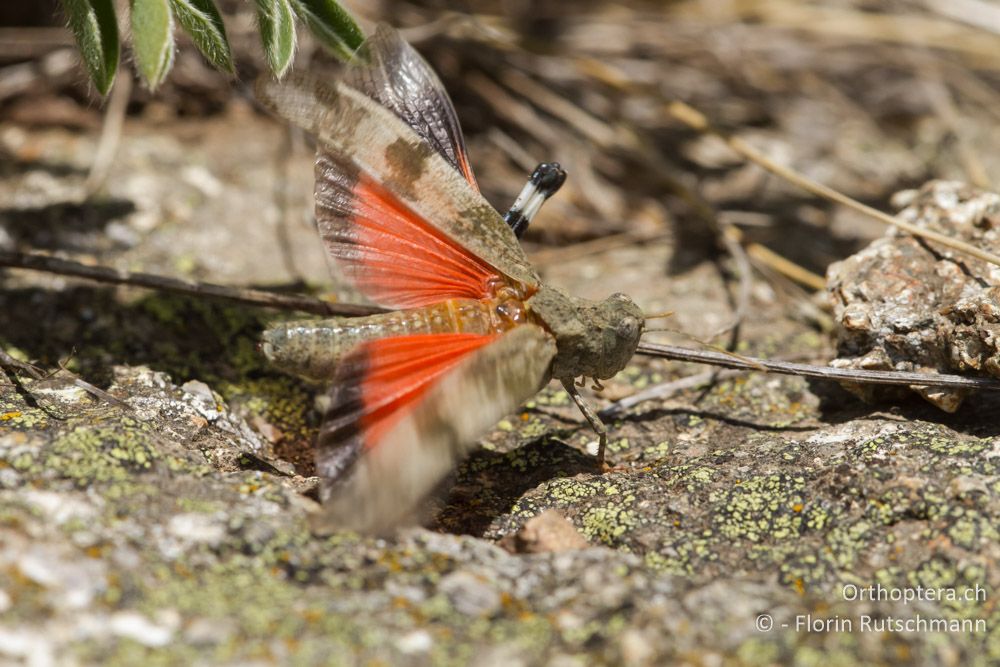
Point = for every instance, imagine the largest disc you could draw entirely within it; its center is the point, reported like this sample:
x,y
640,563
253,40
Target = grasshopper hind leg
x,y
593,419
547,178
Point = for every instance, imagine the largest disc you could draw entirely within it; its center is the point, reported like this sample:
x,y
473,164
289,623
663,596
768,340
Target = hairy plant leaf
x,y
96,31
203,23
277,32
332,24
153,39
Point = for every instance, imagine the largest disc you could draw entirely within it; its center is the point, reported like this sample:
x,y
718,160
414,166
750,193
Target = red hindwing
x,y
402,369
391,254
410,409
377,384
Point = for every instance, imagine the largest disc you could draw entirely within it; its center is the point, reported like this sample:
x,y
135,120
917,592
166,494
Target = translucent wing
x,y
370,162
392,73
391,254
405,410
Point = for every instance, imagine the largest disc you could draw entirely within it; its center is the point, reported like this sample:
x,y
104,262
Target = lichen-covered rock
x,y
906,304
129,536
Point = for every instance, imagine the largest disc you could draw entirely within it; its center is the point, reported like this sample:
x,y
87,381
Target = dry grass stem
x,y
696,120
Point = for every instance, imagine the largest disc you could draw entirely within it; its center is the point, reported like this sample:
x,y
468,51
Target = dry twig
x,y
250,297
612,76
32,371
665,390
823,372
978,48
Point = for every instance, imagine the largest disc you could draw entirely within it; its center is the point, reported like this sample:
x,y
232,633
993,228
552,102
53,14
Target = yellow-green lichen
x,y
533,428
100,454
609,523
557,397
683,556
657,451
760,508
570,490
16,415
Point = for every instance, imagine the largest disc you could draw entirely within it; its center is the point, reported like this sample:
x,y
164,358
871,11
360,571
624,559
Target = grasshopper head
x,y
594,338
620,321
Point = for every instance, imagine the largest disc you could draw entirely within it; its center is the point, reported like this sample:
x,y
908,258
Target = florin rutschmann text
x,y
925,621
870,623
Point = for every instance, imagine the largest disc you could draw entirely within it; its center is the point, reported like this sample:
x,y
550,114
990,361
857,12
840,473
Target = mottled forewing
x,y
389,479
365,141
392,73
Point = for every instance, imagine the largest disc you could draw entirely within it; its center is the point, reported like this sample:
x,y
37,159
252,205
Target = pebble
x,y
470,594
133,625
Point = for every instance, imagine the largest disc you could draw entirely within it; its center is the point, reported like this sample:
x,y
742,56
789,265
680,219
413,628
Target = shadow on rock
x,y
185,337
489,483
64,225
91,331
838,406
662,413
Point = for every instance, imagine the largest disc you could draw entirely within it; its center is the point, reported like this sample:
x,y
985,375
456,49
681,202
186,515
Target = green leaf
x,y
332,25
96,30
277,31
153,39
203,23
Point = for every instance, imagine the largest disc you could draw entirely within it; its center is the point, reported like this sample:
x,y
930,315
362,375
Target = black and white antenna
x,y
547,178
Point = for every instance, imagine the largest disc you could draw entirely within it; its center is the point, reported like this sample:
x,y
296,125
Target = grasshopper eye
x,y
628,328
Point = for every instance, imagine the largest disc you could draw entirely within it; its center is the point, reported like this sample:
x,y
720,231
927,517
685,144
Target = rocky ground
x,y
173,528
742,523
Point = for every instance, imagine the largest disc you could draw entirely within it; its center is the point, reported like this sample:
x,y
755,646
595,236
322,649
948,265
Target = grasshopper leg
x,y
592,418
542,184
